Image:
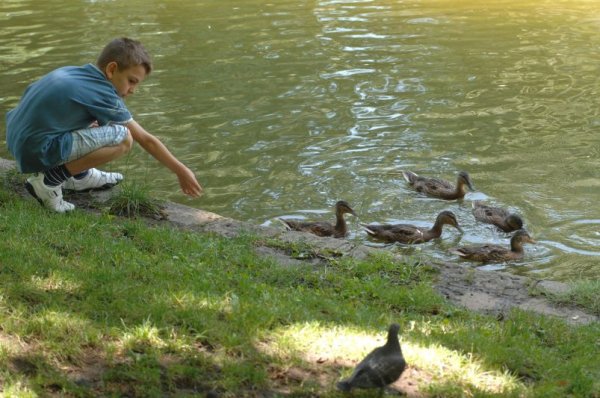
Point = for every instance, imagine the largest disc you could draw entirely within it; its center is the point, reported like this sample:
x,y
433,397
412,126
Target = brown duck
x,y
324,228
411,234
438,188
496,253
497,216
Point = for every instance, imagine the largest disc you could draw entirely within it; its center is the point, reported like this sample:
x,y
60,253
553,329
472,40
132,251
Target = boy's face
x,y
126,80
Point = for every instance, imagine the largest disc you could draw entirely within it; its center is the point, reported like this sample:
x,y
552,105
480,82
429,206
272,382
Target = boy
x,y
74,119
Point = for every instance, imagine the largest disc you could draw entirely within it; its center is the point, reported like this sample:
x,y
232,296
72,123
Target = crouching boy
x,y
73,120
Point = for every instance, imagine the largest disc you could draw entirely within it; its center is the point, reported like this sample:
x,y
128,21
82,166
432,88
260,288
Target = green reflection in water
x,y
286,107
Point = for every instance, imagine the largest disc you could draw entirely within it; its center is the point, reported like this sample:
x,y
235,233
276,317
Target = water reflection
x,y
283,108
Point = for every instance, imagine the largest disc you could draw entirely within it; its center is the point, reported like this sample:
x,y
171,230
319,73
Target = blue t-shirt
x,y
66,99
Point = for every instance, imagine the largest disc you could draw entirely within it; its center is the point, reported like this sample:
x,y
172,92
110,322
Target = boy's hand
x,y
188,183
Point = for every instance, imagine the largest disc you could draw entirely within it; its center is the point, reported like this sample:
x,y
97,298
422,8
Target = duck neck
x,y
340,223
460,188
516,245
436,230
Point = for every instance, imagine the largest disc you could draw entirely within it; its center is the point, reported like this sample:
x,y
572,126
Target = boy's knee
x,y
127,142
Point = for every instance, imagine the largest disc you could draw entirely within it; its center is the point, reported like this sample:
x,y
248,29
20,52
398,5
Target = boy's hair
x,y
126,53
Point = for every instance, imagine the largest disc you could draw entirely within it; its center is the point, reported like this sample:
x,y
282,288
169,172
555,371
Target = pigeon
x,y
380,367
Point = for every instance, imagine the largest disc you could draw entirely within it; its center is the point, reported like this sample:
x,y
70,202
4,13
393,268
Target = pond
x,y
283,108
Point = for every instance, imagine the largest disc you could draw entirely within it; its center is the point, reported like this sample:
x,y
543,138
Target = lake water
x,y
284,107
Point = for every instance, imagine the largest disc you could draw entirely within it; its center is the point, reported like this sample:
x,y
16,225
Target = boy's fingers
x,y
193,191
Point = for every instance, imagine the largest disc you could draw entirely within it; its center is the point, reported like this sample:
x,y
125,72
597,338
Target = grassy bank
x,y
97,306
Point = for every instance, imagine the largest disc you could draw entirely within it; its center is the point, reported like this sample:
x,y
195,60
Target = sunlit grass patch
x,y
449,367
63,334
17,387
311,340
347,345
142,337
189,302
55,281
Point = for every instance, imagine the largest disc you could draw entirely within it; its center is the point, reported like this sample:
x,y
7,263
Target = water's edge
x,y
491,292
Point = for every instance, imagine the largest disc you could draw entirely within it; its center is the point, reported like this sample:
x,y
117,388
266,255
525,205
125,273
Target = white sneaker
x,y
95,179
50,197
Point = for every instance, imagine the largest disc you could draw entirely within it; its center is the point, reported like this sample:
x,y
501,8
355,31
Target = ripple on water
x,y
579,237
347,73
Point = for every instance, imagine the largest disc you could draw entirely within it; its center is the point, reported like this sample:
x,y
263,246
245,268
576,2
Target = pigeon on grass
x,y
380,367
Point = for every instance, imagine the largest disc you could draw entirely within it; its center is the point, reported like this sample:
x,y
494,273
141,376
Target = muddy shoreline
x,y
491,292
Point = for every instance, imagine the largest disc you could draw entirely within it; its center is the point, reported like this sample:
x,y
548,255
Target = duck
x,y
501,218
496,253
381,367
324,228
411,234
438,188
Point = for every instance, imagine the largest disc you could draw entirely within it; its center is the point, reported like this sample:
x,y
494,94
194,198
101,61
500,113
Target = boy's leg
x,y
94,147
91,147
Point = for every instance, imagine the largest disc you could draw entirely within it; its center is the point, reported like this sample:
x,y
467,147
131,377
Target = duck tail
x,y
409,176
367,228
285,223
457,250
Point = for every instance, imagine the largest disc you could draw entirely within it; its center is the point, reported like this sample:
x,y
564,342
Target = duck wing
x,y
319,228
404,233
433,185
490,215
484,253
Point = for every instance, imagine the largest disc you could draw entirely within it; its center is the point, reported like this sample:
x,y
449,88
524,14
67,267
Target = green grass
x,y
584,293
93,305
132,200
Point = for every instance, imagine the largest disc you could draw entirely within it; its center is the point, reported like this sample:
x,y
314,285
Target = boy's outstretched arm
x,y
187,180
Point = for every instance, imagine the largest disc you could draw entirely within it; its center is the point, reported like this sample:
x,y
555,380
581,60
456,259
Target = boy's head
x,y
126,53
125,63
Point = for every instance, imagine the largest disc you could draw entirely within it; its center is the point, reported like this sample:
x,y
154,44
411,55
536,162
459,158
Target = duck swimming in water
x,y
438,188
496,253
411,234
324,228
497,216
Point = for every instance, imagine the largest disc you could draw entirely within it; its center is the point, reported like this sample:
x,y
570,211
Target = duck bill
x,y
459,229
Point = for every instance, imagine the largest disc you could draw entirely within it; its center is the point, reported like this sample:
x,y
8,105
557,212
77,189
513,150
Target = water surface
x,y
282,108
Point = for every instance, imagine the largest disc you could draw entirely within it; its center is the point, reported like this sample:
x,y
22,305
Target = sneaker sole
x,y
100,188
31,191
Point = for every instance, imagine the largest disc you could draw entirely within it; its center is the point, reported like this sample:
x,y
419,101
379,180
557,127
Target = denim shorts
x,y
93,138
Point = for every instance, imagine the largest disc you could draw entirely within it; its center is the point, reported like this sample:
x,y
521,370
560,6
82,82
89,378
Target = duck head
x,y
448,218
465,179
342,207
